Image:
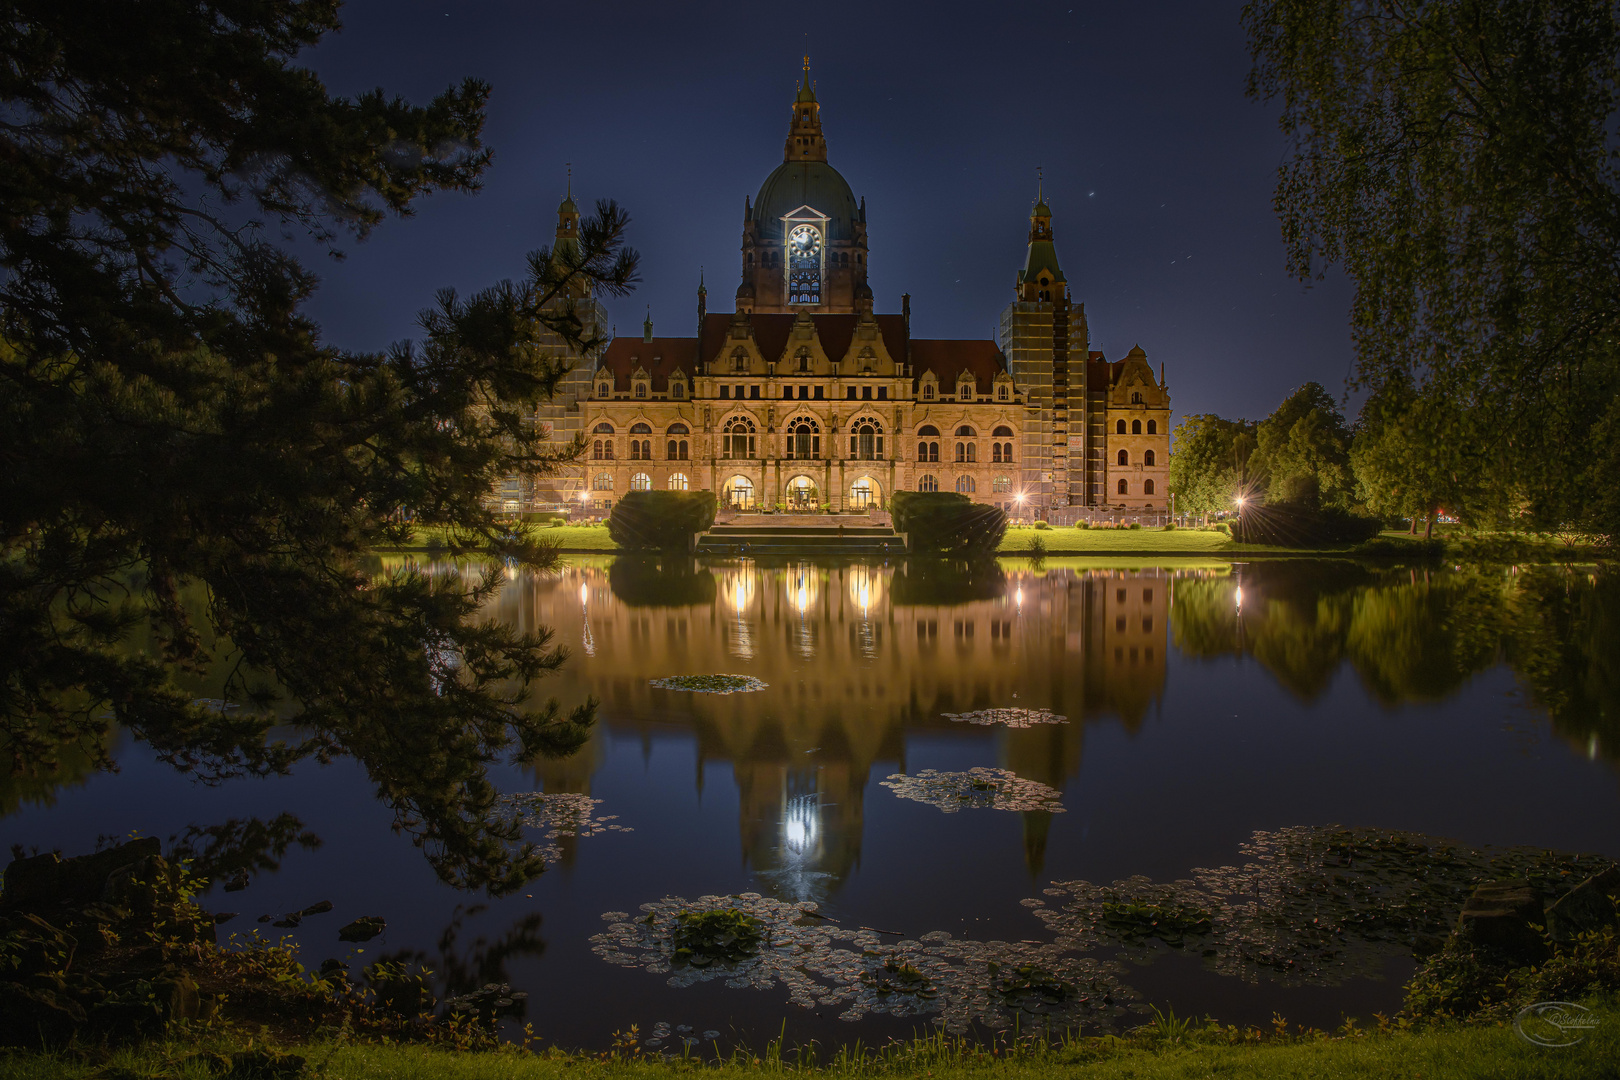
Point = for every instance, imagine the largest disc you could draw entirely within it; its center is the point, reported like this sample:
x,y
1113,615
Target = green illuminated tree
x,y
189,468
1455,158
1302,451
1210,465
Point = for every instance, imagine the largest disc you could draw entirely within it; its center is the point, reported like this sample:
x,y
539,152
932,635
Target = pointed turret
x,y
646,327
1042,277
805,141
568,217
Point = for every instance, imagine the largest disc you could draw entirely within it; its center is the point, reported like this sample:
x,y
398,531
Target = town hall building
x,y
806,397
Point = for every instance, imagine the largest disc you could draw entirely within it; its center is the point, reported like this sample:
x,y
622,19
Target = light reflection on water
x,y
1205,701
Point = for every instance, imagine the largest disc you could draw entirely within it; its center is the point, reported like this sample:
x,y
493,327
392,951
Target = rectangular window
x,y
753,392
725,391
850,393
787,392
818,393
804,393
866,393
883,393
739,392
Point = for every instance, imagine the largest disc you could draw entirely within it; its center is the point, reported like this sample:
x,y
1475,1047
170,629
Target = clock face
x,y
804,243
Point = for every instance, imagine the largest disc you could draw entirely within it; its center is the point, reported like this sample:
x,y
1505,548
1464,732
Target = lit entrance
x,y
802,494
739,493
863,494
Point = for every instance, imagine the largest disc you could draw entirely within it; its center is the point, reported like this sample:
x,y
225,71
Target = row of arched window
x,y
1136,427
1125,487
640,482
965,485
1124,458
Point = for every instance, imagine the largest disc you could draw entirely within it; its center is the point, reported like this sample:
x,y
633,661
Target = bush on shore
x,y
660,520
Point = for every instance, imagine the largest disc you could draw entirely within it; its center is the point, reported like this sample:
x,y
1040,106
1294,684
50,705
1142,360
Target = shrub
x,y
1042,525
947,522
1170,527
1037,548
1136,525
1221,526
1082,524
1287,524
660,520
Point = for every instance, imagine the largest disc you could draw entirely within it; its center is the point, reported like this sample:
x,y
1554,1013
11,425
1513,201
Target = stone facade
x,y
804,398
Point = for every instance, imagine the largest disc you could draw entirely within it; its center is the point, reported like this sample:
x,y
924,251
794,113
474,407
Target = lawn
x,y
1454,1052
1066,539
567,537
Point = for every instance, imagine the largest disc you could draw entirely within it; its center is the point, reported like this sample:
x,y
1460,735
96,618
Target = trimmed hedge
x,y
660,520
947,523
1298,525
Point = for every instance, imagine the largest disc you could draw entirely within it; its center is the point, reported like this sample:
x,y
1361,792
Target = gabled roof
x,y
948,358
772,332
661,356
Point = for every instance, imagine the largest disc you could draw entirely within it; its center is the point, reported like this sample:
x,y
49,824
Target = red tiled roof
x,y
660,356
946,358
771,332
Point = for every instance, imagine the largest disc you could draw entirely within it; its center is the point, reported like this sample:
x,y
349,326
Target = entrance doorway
x,y
802,494
739,493
863,494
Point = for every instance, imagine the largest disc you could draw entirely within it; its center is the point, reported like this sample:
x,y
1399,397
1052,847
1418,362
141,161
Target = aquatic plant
x,y
824,965
558,814
1013,718
1313,904
710,684
702,937
977,788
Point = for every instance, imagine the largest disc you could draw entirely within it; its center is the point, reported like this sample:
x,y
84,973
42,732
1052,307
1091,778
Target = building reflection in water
x,y
857,656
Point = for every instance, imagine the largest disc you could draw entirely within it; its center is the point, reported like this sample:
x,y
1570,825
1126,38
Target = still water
x,y
1192,705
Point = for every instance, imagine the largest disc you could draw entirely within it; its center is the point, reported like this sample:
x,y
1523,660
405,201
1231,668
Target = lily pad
x,y
1012,718
710,684
559,814
978,788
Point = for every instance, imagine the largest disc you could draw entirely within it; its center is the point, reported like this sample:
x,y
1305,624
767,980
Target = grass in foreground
x,y
1168,1049
1068,538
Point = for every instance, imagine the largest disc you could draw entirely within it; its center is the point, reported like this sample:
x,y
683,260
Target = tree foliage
x,y
1456,158
948,523
187,466
660,520
1302,451
1209,466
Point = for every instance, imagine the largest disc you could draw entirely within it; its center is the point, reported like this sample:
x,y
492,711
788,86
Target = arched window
x,y
679,449
803,437
928,483
677,429
995,453
1136,427
866,439
602,429
965,432
928,451
1136,399
965,485
1001,483
1153,427
737,441
603,481
1124,488
641,482
641,389
1147,458
596,450
635,449
928,431
1124,457
677,389
678,482
1147,487
1006,451
1002,432
964,390
1119,428
1001,392
640,429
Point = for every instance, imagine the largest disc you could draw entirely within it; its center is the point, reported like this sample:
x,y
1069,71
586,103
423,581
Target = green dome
x,y
806,183
567,206
1042,210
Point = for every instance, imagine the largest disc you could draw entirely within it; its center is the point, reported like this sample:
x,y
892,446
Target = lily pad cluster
x,y
710,684
822,964
1310,904
978,788
563,813
703,937
1012,718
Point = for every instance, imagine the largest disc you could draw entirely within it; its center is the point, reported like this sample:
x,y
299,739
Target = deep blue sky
x,y
1158,169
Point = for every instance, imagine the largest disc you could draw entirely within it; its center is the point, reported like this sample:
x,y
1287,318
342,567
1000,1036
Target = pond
x,y
955,767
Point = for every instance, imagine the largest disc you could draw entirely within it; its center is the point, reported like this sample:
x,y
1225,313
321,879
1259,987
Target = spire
x,y
805,141
646,327
567,218
1041,278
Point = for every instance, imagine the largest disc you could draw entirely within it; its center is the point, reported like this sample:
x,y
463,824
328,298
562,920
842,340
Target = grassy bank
x,y
1163,1051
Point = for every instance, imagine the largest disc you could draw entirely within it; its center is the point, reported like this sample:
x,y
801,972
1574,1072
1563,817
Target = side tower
x,y
804,236
559,419
1047,348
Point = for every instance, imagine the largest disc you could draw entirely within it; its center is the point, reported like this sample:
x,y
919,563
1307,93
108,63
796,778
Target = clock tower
x,y
804,236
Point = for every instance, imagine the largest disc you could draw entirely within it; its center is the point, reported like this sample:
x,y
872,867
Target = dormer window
x,y
641,389
739,359
677,388
928,391
604,387
1001,392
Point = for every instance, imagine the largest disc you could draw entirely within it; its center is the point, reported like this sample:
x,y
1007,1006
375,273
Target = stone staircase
x,y
783,534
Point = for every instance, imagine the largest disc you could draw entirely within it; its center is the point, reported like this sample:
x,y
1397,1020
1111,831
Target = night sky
x,y
1159,170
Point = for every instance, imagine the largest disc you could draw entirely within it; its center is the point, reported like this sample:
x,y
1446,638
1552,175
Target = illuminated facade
x,y
805,398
